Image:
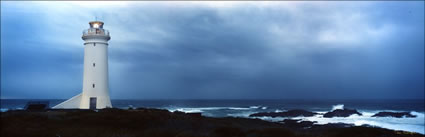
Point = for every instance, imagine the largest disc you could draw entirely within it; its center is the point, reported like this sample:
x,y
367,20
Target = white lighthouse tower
x,y
95,94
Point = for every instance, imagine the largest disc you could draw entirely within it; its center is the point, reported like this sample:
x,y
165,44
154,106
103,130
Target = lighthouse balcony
x,y
95,31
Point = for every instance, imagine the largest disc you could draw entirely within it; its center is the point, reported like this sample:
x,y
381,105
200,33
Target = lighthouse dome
x,y
96,24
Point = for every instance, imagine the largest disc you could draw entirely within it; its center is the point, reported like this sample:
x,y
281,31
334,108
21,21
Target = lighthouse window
x,y
94,64
93,85
94,44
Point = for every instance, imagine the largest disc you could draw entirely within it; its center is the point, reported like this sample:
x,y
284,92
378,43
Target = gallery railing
x,y
95,31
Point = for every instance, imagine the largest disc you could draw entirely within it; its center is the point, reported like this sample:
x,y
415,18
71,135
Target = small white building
x,y
95,94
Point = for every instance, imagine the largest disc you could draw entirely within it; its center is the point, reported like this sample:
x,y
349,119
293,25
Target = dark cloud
x,y
359,50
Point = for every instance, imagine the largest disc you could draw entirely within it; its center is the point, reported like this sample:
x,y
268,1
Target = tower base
x,y
85,102
72,103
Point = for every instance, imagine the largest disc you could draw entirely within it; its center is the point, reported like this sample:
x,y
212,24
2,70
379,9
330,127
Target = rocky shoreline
x,y
334,113
144,122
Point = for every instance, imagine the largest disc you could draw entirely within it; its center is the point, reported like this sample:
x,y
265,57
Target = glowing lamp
x,y
96,25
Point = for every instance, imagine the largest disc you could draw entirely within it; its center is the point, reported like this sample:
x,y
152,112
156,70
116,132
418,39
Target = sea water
x,y
243,108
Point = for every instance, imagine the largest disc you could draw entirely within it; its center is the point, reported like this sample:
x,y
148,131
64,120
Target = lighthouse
x,y
95,92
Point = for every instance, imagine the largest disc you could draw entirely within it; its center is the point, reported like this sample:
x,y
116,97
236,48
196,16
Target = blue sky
x,y
218,50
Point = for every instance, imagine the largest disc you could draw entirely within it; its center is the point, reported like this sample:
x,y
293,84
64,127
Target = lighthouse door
x,y
93,103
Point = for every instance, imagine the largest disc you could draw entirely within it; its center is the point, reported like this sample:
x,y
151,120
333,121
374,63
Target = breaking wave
x,y
407,124
339,106
203,109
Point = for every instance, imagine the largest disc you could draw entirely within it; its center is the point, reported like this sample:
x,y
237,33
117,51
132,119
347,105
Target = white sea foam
x,y
203,109
278,110
194,110
406,124
3,109
238,108
244,114
321,112
7,109
255,107
258,107
273,119
189,110
339,106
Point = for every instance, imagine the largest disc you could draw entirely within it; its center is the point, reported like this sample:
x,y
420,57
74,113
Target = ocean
x,y
243,108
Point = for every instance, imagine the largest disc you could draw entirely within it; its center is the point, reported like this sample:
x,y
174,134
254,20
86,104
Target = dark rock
x,y
394,114
179,112
37,105
341,113
272,132
229,131
195,114
307,123
291,121
297,123
290,113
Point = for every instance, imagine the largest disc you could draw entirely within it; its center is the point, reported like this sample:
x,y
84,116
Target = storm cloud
x,y
218,50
